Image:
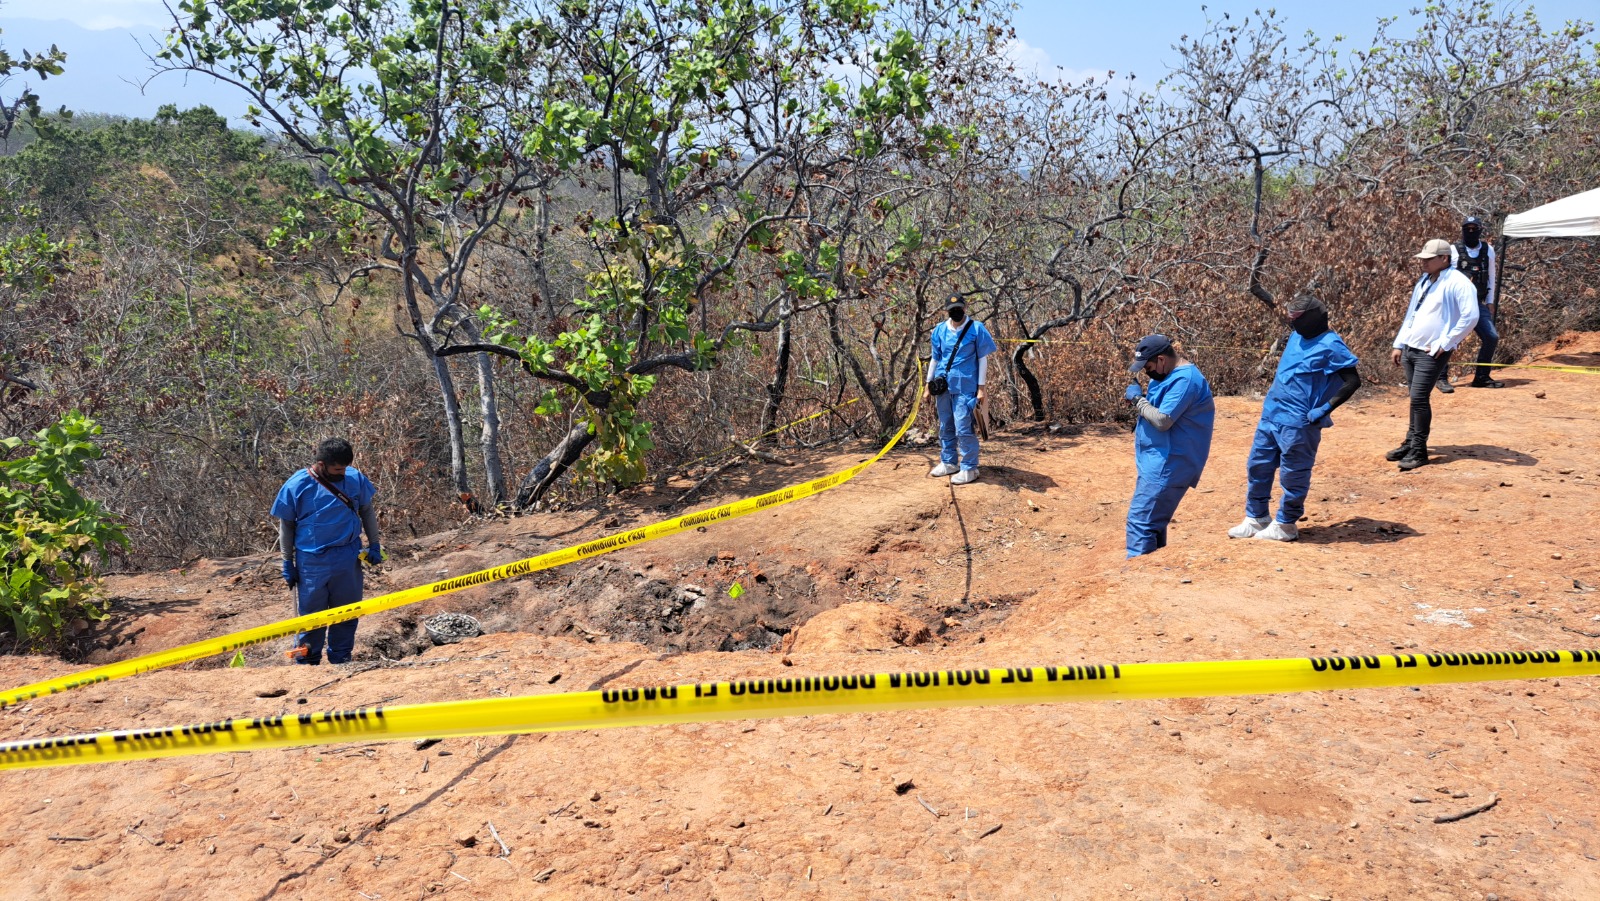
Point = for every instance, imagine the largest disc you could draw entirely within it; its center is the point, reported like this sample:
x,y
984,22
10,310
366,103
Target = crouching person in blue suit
x,y
1316,374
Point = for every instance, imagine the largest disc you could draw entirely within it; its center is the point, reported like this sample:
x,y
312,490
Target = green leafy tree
x,y
52,534
25,102
29,259
703,121
415,116
30,262
740,157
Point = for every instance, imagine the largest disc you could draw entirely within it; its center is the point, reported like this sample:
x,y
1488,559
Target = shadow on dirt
x,y
1489,453
1577,359
966,545
601,682
357,840
122,628
718,482
1359,530
1019,479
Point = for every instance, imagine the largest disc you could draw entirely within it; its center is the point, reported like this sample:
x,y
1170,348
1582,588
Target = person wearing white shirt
x,y
1442,310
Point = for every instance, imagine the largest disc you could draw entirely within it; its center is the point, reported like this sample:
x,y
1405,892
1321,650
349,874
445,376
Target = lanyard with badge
x,y
1426,291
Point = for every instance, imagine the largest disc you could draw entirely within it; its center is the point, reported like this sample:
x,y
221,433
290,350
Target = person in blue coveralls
x,y
322,511
1316,374
1172,439
960,366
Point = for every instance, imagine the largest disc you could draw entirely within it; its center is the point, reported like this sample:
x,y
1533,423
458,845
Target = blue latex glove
x,y
372,556
1319,416
1133,393
291,576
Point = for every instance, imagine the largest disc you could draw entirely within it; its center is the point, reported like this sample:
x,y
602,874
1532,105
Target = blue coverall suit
x,y
958,441
327,543
1288,435
1169,462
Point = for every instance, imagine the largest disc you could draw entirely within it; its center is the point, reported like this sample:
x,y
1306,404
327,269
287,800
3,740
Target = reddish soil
x,y
1327,795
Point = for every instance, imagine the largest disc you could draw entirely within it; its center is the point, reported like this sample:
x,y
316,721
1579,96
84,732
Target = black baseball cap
x,y
1148,348
956,300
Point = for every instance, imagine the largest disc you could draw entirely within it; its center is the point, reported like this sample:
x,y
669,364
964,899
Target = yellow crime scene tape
x,y
797,696
740,442
1582,370
368,606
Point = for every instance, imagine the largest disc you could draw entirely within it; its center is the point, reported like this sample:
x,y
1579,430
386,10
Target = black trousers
x,y
1488,340
1422,371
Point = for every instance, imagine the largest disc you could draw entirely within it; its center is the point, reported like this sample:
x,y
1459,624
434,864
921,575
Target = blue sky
x,y
1090,38
105,65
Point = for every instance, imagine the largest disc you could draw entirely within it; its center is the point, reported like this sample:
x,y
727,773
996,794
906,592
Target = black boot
x,y
1399,453
1444,385
1417,456
1487,383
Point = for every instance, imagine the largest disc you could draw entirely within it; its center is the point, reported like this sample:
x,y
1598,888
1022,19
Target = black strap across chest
x,y
343,498
956,346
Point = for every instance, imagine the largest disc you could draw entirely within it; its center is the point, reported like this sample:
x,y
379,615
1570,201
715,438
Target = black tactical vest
x,y
1475,268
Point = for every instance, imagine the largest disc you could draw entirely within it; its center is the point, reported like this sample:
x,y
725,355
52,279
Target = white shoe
x,y
964,476
1280,531
943,469
1248,528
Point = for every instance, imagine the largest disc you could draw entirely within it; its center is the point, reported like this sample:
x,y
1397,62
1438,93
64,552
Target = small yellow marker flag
x,y
736,590
238,659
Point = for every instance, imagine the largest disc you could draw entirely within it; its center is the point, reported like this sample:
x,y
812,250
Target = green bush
x,y
52,533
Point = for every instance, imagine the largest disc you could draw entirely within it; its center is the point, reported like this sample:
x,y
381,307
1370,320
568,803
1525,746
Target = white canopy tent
x,y
1577,216
1570,217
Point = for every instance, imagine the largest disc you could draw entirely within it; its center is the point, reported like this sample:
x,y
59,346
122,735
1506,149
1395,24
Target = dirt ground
x,y
1327,795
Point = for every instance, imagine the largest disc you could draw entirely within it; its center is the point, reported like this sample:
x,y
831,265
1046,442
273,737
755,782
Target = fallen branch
x,y
1473,811
715,471
504,851
765,457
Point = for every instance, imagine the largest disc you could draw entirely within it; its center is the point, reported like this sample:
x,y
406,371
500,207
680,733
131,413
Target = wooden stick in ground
x,y
504,851
1474,811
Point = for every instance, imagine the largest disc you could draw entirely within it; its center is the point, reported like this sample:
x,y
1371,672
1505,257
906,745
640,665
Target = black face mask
x,y
957,314
1156,376
1310,324
1471,235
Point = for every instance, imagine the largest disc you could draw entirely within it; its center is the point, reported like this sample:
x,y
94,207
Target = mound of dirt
x,y
1569,349
859,627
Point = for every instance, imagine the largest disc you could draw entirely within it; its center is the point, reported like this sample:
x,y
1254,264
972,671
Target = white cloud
x,y
1035,62
1028,59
